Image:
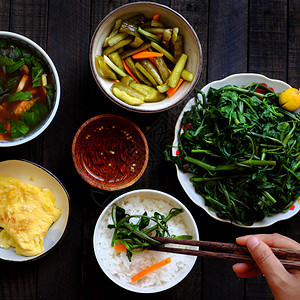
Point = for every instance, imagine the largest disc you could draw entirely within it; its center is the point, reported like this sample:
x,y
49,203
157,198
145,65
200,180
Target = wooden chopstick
x,y
288,257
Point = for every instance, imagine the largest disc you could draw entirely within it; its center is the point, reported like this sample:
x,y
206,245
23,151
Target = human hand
x,y
284,284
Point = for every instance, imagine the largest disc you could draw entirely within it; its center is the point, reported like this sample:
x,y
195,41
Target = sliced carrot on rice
x,y
150,269
119,247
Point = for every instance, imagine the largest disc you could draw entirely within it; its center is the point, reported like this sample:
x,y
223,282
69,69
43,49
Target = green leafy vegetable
x,y
135,236
3,43
11,83
35,115
37,71
25,52
6,61
2,129
50,95
9,65
25,96
243,151
18,128
2,81
13,68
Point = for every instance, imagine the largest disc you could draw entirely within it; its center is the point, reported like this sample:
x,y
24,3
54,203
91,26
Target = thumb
x,y
265,259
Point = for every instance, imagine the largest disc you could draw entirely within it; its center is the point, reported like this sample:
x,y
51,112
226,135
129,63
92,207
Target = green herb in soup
x,y
26,90
243,150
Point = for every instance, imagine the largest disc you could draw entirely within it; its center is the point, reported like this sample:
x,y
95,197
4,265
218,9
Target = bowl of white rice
x,y
117,266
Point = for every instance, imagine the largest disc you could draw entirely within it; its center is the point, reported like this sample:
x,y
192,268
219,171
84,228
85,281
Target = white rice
x,y
118,265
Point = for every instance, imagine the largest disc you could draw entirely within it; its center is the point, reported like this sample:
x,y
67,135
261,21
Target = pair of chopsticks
x,y
288,257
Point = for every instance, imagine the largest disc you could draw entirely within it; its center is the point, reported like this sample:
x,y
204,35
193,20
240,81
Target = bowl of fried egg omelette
x,y
34,210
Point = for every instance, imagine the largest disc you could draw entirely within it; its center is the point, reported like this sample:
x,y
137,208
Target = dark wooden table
x,y
236,36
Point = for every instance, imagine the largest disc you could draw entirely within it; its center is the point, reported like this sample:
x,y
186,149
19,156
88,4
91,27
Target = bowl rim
x,y
189,189
136,108
39,256
133,192
77,165
48,120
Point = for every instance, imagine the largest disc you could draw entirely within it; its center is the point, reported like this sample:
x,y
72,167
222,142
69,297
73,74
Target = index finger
x,y
272,240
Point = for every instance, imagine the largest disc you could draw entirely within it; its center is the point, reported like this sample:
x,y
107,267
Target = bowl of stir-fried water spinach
x,y
145,57
237,151
29,89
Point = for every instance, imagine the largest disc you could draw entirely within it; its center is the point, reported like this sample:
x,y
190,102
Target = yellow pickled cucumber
x,y
103,69
151,94
127,94
127,80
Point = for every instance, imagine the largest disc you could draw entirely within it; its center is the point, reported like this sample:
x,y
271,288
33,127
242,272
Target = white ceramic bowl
x,y
99,237
36,175
184,178
192,48
28,43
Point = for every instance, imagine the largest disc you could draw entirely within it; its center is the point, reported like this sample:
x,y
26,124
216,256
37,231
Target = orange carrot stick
x,y
150,58
146,54
129,71
171,91
150,269
119,247
156,17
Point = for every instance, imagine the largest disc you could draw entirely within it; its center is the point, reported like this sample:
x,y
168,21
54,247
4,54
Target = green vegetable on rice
x,y
136,236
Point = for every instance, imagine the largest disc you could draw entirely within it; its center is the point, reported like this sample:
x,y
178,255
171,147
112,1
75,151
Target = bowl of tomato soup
x,y
29,89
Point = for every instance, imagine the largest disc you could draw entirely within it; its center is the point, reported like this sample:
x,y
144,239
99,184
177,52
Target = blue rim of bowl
x,y
42,53
34,258
197,76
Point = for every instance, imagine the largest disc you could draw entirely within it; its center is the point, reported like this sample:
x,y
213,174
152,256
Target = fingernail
x,y
252,243
237,265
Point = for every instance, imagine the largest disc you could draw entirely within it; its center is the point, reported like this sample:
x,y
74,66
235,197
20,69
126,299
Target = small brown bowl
x,y
110,152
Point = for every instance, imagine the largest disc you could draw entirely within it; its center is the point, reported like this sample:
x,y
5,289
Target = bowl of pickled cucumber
x,y
145,57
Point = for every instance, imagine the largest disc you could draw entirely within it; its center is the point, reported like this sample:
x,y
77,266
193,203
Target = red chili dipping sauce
x,y
111,150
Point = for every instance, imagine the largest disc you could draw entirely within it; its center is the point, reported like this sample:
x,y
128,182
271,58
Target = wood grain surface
x,y
236,36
